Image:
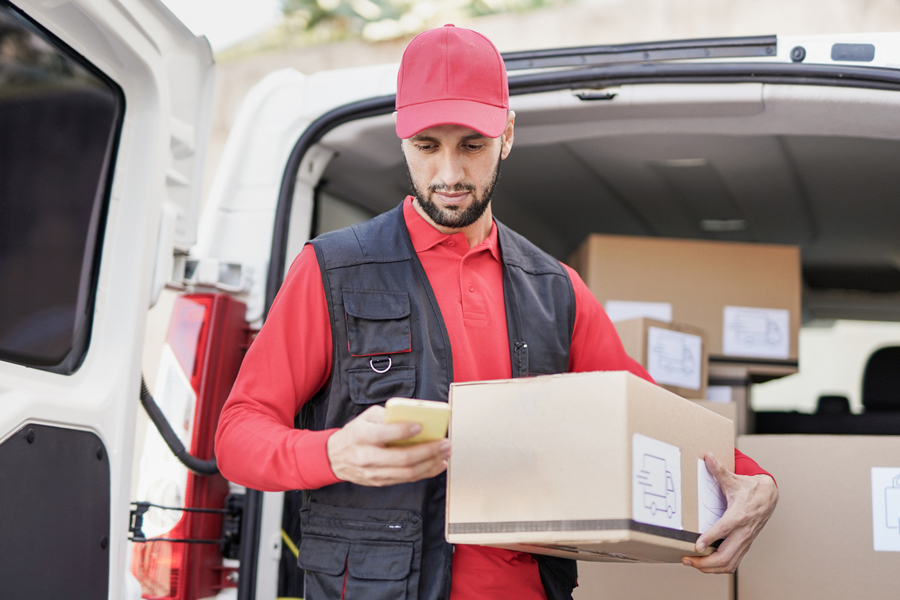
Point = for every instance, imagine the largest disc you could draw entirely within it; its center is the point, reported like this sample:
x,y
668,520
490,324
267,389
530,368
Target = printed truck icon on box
x,y
673,354
659,488
756,328
892,504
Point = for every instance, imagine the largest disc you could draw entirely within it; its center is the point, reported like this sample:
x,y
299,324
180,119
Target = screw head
x,y
29,436
798,54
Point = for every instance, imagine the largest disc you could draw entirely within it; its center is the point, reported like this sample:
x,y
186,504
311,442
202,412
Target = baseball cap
x,y
452,76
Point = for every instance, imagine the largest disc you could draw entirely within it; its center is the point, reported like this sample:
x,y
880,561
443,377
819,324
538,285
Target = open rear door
x,y
104,113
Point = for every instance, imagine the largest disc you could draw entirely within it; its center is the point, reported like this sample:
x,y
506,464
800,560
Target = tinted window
x,y
59,122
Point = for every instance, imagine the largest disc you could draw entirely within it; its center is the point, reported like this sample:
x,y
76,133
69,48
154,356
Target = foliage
x,y
378,20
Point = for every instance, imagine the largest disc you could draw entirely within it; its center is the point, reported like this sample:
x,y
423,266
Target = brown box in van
x,y
593,466
836,531
754,287
675,354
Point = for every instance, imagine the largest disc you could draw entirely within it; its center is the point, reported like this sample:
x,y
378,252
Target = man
x,y
432,292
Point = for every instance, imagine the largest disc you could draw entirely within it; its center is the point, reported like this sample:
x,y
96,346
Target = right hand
x,y
358,452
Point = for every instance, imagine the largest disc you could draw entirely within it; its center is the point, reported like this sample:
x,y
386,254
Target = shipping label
x,y
711,501
756,332
621,310
656,482
886,509
675,358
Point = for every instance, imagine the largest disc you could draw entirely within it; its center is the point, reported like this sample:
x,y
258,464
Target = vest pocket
x,y
377,322
359,554
368,386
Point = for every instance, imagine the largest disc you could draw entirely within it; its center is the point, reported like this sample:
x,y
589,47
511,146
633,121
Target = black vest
x,y
390,340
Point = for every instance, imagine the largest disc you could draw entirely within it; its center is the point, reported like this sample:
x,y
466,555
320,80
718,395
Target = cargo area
x,y
753,166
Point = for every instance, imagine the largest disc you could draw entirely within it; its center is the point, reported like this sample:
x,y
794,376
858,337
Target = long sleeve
x,y
288,362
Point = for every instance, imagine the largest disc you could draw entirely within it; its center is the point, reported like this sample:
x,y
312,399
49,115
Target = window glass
x,y
59,122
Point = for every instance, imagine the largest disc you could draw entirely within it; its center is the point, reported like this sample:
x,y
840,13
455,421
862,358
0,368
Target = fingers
x,y
725,559
358,452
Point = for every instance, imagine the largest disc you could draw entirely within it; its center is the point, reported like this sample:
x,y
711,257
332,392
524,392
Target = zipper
x,y
325,521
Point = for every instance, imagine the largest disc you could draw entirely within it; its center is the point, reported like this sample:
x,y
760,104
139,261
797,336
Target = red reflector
x,y
157,567
208,336
187,332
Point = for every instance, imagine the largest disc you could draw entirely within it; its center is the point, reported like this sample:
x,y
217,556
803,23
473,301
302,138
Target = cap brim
x,y
486,119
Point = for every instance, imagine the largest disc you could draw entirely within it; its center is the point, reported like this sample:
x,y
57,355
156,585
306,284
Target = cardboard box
x,y
729,410
745,296
591,466
832,515
675,354
611,581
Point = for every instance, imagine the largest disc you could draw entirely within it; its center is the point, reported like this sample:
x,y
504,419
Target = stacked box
x,y
745,296
836,531
674,354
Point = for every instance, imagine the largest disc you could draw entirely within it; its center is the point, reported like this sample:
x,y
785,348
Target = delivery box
x,y
593,466
836,531
675,354
745,296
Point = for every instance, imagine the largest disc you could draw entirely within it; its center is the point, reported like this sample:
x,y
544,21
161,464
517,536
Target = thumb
x,y
715,468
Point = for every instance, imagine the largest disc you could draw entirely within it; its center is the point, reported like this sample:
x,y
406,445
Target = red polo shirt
x,y
290,360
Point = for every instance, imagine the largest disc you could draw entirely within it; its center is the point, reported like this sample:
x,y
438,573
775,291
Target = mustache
x,y
458,187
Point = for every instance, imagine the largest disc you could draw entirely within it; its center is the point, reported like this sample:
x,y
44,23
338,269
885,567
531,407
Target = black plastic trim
x,y
248,553
650,51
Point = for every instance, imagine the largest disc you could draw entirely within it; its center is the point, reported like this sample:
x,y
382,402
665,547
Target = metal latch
x,y
230,541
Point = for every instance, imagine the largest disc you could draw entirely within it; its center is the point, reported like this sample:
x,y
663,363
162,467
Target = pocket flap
x,y
379,560
376,306
369,387
323,555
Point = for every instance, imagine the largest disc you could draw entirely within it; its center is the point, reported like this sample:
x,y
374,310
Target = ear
x,y
506,139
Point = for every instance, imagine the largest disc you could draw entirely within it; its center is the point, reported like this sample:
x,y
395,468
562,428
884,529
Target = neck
x,y
475,233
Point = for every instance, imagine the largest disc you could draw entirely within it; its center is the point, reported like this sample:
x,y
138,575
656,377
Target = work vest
x,y
389,339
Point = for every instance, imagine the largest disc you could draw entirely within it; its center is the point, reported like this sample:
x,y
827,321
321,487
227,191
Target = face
x,y
453,171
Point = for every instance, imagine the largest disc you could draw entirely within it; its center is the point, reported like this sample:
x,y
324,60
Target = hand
x,y
358,452
751,501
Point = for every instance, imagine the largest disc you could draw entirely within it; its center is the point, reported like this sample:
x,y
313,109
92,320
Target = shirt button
x,y
451,243
466,261
471,288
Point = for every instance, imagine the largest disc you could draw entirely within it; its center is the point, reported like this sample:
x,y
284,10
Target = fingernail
x,y
445,448
701,546
686,562
415,428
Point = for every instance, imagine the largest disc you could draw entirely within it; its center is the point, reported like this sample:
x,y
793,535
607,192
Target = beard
x,y
454,217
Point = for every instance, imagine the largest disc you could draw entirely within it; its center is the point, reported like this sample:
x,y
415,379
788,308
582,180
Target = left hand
x,y
751,501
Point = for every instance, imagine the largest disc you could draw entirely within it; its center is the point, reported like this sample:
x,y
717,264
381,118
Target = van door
x,y
104,113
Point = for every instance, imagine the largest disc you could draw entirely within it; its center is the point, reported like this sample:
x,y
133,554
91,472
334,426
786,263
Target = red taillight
x,y
208,336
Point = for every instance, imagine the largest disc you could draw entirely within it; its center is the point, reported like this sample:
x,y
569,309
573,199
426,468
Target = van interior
x,y
806,165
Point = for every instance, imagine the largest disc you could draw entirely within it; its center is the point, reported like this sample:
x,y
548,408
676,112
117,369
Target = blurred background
x,y
251,38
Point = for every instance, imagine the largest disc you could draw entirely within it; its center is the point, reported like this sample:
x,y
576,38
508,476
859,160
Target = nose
x,y
450,171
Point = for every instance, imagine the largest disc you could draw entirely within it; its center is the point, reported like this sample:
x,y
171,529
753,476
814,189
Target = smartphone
x,y
434,417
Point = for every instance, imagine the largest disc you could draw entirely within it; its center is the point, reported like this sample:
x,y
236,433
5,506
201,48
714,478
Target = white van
x,y
104,114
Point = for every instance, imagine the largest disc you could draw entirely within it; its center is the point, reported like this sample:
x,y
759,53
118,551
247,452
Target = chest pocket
x,y
377,322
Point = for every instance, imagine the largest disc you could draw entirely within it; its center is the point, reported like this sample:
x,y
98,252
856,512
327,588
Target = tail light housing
x,y
206,341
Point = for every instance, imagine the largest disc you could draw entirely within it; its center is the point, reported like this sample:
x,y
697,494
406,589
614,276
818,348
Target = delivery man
x,y
431,292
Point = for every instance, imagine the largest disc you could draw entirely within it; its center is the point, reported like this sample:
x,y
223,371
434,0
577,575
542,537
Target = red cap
x,y
452,76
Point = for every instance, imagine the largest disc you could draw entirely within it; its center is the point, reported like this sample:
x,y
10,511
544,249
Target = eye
x,y
426,147
473,147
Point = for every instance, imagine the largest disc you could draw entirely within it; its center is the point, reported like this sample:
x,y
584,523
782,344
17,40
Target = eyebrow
x,y
426,138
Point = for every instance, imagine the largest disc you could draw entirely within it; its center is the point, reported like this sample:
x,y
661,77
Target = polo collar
x,y
425,237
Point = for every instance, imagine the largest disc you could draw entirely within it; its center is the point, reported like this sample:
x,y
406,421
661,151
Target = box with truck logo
x,y
600,466
675,354
745,296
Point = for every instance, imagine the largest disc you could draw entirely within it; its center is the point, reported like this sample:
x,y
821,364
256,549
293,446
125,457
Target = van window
x,y
59,123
